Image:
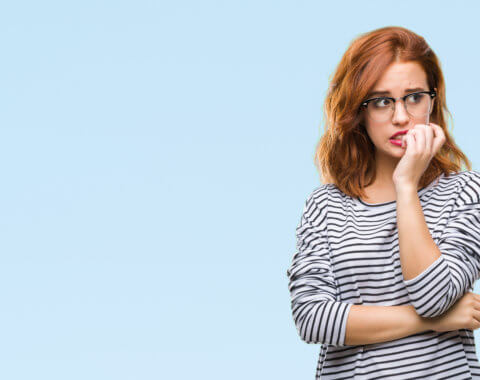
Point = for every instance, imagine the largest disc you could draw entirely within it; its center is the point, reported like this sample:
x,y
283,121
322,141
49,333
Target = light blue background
x,y
155,158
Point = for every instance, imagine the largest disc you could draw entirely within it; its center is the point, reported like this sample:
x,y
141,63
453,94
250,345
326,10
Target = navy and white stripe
x,y
319,317
347,253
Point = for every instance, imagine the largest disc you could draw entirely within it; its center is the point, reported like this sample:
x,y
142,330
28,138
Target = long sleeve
x,y
318,315
454,273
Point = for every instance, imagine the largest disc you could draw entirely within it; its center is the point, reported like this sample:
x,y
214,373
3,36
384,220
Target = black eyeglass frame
x,y
431,93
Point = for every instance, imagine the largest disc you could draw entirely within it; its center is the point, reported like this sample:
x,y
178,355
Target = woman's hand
x,y
464,314
422,144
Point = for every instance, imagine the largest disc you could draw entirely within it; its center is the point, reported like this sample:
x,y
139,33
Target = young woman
x,y
388,248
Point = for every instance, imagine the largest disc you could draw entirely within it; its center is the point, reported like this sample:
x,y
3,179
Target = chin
x,y
399,152
394,151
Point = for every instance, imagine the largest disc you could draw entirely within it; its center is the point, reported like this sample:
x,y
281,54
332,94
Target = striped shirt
x,y
347,254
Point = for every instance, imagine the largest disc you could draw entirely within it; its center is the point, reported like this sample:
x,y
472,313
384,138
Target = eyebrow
x,y
388,92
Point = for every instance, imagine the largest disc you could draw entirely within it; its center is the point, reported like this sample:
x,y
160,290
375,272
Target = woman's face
x,y
396,81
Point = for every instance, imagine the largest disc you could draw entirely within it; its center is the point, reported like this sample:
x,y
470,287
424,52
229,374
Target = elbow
x,y
318,338
322,322
432,297
430,307
429,312
309,338
310,327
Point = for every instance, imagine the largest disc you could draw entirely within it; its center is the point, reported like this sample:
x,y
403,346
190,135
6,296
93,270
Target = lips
x,y
399,133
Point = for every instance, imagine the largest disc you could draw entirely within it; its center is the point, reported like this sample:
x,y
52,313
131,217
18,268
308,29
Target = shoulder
x,y
467,184
467,175
317,198
314,208
471,190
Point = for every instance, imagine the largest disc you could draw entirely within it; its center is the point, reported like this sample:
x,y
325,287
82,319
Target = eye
x,y
381,102
415,98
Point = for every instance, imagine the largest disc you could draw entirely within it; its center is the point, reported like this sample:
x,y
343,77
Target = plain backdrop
x,y
155,158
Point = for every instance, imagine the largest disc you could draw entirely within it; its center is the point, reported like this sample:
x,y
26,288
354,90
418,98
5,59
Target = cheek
x,y
375,134
372,132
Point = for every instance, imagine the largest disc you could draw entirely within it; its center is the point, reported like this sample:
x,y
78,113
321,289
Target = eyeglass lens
x,y
417,105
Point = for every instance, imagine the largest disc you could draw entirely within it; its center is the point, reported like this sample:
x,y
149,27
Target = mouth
x,y
398,136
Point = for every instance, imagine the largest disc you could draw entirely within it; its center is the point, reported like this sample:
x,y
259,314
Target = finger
x,y
413,140
420,138
476,314
409,141
439,138
435,128
476,325
429,138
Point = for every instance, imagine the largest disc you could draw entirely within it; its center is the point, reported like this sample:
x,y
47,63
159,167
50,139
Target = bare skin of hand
x,y
464,314
422,144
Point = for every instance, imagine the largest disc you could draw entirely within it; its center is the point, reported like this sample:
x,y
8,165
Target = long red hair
x,y
344,154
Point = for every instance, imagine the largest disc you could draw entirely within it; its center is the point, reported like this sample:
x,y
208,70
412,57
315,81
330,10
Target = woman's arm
x,y
367,324
436,276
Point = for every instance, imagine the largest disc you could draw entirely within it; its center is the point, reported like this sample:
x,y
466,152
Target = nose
x,y
400,114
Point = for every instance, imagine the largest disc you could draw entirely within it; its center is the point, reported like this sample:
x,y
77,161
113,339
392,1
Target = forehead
x,y
400,76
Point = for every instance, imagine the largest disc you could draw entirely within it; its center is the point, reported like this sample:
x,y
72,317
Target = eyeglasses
x,y
418,104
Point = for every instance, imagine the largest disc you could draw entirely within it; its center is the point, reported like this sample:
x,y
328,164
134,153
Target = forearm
x,y
417,248
367,324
